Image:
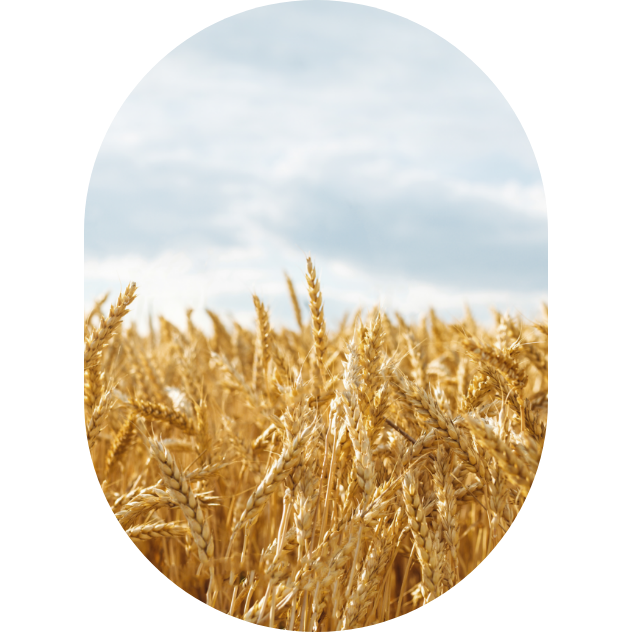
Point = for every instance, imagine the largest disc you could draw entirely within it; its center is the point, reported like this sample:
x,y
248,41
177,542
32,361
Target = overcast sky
x,y
320,128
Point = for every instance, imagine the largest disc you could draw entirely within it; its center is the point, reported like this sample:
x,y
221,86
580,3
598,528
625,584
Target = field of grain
x,y
315,478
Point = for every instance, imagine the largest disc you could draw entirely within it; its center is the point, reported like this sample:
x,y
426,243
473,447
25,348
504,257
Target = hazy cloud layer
x,y
323,128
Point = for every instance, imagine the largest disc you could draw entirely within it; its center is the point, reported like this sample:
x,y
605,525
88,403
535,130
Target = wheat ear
x,y
295,303
318,317
182,494
101,335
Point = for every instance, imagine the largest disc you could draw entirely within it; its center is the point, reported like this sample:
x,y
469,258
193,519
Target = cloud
x,y
327,128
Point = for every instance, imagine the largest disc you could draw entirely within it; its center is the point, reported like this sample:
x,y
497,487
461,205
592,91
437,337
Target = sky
x,y
326,129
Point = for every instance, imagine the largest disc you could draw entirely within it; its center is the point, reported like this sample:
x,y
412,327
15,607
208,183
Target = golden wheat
x,y
328,478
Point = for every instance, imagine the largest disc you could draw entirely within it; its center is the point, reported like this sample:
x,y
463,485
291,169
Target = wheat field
x,y
315,478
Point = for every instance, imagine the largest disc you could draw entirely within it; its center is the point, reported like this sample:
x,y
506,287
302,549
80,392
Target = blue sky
x,y
320,128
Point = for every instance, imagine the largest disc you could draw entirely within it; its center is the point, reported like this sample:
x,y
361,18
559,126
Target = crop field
x,y
315,477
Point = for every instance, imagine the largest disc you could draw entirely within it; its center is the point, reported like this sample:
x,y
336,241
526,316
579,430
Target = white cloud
x,y
387,154
511,195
